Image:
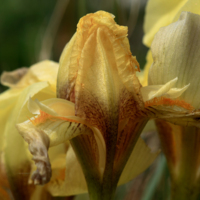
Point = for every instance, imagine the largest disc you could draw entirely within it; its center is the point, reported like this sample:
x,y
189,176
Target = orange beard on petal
x,y
163,101
42,117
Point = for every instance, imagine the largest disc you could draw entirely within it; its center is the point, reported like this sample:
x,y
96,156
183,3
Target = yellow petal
x,y
14,143
12,136
159,14
153,91
53,106
7,103
42,71
140,159
149,62
73,180
176,50
46,130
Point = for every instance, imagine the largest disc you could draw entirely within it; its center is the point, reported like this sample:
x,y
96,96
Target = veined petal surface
x,y
176,50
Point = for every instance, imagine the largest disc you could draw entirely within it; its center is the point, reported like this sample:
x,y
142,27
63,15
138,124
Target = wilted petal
x,y
11,79
42,71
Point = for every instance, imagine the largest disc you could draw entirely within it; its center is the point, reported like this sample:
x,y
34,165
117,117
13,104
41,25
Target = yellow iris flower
x,y
175,51
102,107
99,99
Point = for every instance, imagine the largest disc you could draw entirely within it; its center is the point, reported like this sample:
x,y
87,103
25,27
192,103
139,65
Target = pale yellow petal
x,y
74,181
141,158
153,91
159,14
39,72
176,92
189,6
35,107
16,152
7,102
167,90
58,130
149,62
53,106
150,92
176,50
68,68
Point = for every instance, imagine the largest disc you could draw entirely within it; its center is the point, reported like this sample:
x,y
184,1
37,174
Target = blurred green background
x,y
31,31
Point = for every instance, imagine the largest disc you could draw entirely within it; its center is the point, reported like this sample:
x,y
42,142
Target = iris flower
x,y
175,50
98,109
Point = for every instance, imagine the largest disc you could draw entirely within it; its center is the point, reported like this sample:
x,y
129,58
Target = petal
x,y
102,80
61,108
176,92
73,180
159,14
53,106
46,130
176,50
141,158
68,68
153,91
42,71
11,79
150,92
14,144
58,129
144,78
7,103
